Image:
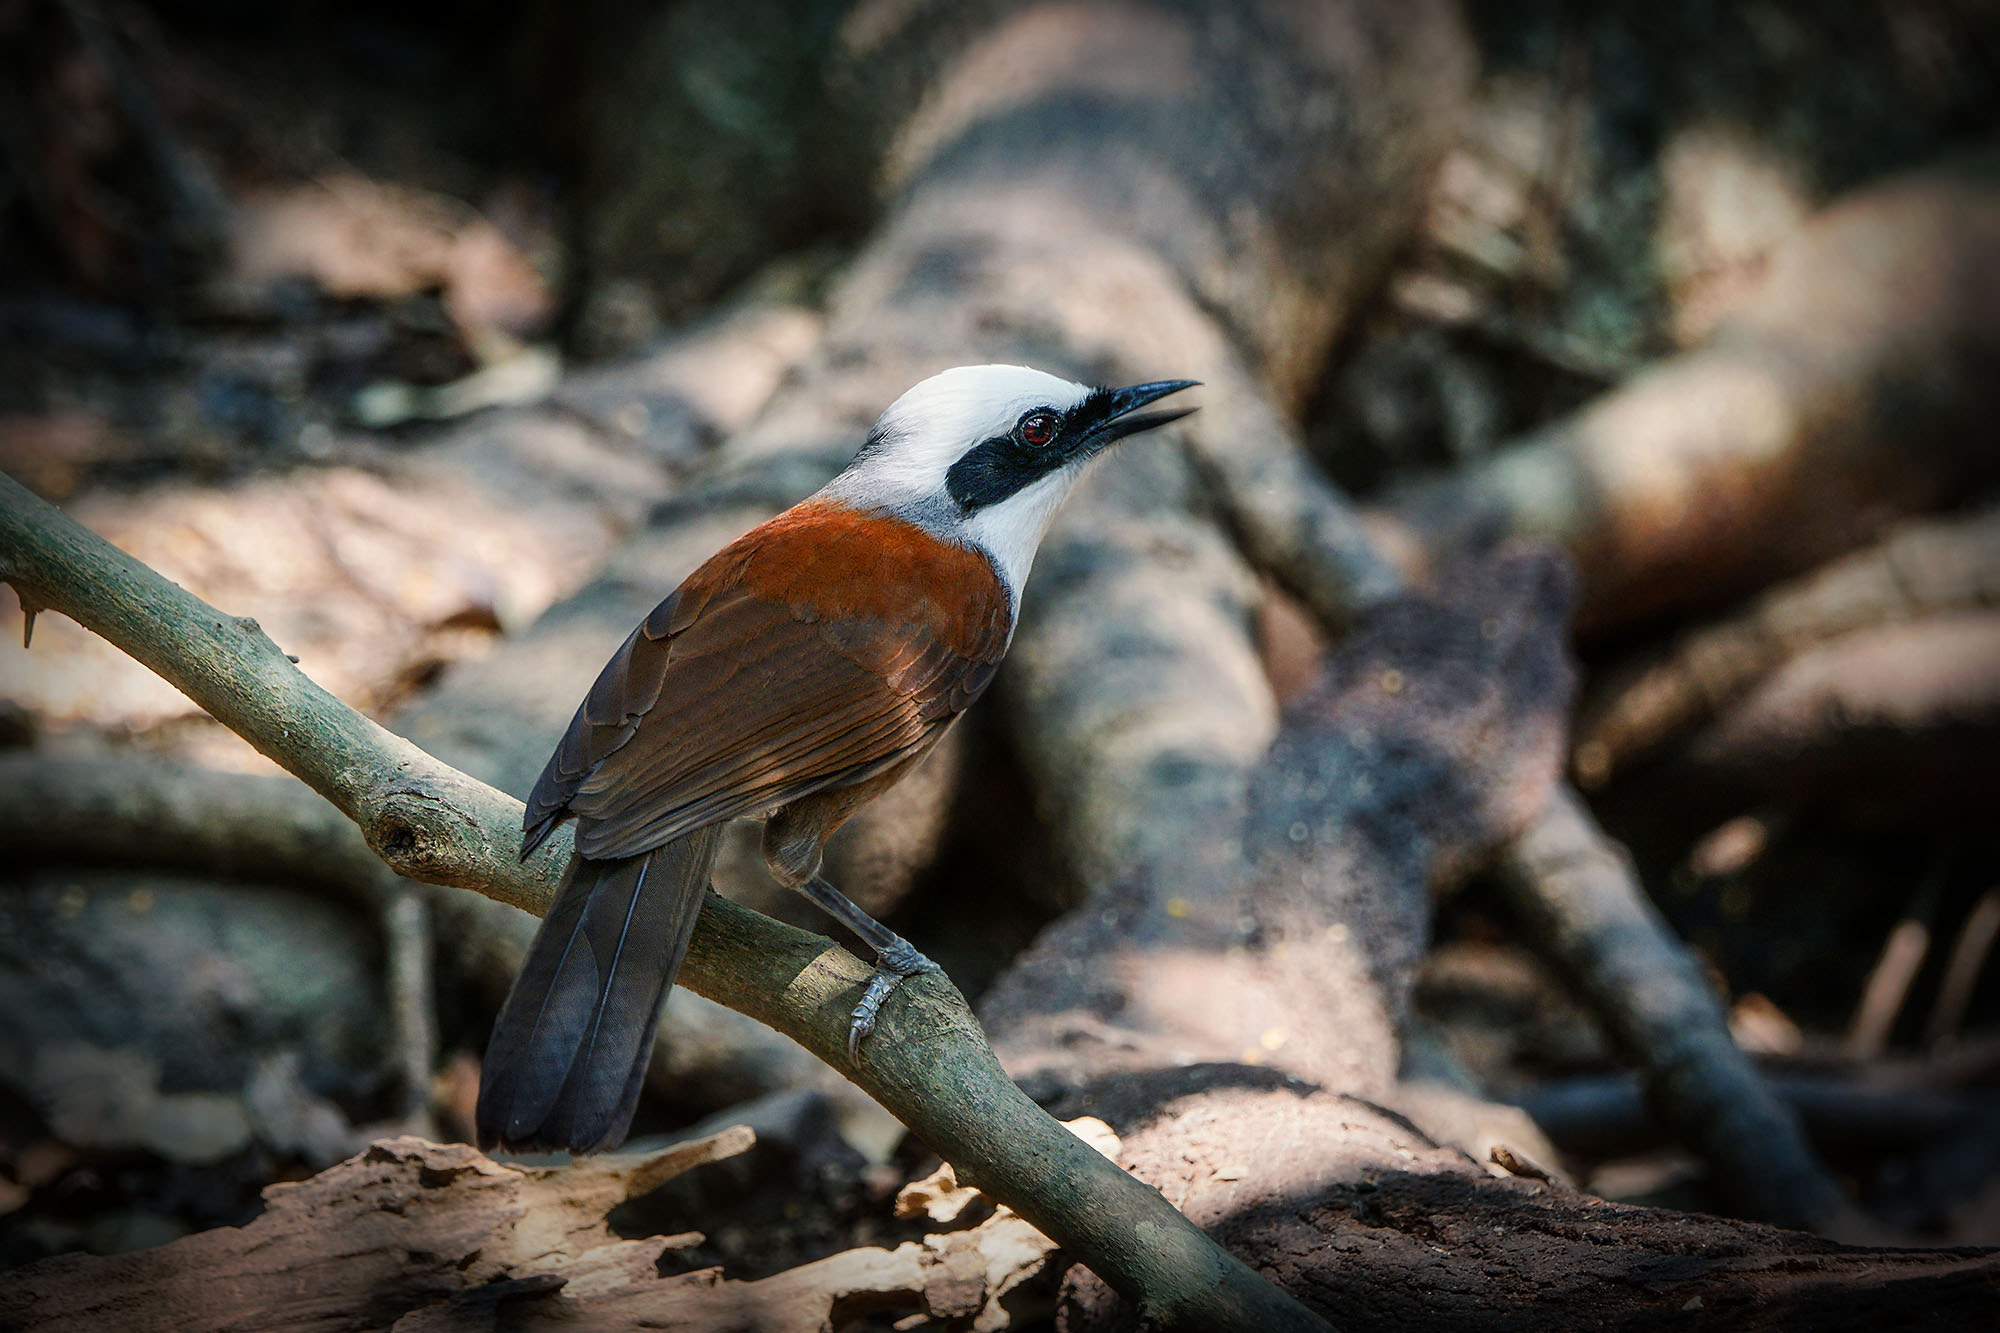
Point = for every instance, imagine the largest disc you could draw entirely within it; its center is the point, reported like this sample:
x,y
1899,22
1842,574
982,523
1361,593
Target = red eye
x,y
1037,428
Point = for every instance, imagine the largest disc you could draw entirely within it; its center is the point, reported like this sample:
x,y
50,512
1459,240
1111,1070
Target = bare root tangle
x,y
1852,385
1133,687
930,1064
1599,923
1039,244
1428,742
1923,569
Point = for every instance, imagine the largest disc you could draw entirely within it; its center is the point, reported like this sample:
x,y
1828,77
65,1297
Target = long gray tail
x,y
569,1050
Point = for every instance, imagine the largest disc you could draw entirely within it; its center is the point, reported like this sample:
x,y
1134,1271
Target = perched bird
x,y
795,676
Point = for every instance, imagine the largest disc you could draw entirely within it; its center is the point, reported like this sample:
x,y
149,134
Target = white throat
x,y
1011,532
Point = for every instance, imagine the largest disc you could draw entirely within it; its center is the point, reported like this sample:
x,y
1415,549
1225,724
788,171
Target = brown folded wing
x,y
814,652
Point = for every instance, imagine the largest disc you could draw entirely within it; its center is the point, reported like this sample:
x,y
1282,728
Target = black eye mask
x,y
994,469
1004,465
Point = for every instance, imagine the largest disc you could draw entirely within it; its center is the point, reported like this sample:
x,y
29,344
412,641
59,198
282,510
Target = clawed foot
x,y
899,960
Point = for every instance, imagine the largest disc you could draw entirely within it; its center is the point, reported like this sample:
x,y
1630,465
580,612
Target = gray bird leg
x,y
895,957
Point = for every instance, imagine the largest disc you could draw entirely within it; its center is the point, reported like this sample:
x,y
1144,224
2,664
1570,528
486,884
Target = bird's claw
x,y
899,960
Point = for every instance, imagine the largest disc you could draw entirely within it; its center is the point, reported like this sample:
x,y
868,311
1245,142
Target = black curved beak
x,y
1109,415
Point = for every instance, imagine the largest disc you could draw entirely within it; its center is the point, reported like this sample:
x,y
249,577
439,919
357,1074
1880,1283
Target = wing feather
x,y
734,697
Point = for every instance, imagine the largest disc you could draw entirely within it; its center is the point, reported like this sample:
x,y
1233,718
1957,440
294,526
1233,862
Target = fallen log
x,y
1362,1215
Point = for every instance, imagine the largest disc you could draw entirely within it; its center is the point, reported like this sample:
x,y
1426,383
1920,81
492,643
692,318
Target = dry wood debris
x,y
436,1236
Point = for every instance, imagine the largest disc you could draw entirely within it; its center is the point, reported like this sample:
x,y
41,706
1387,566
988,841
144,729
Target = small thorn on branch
x,y
30,608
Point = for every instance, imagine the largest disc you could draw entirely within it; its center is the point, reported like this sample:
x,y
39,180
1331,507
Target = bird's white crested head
x,y
938,421
984,455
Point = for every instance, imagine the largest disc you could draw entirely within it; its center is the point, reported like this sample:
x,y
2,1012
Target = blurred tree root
x,y
152,813
1927,569
1571,885
1941,1143
1896,722
1583,904
1851,385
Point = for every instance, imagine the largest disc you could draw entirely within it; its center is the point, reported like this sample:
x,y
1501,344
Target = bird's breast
x,y
832,562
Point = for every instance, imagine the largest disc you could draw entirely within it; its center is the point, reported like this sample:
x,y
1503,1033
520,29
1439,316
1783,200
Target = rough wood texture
x,y
437,1236
416,1223
1363,1215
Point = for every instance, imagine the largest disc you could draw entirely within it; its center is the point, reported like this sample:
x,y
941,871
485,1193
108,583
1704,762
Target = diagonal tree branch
x,y
928,1063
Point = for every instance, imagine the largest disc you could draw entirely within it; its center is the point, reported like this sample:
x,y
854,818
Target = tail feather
x,y
569,1050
